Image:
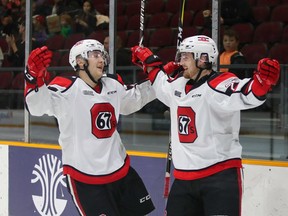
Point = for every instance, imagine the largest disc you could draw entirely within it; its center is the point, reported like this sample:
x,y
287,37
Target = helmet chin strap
x,y
89,74
199,73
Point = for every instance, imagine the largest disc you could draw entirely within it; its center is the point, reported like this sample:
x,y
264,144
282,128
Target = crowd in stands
x,y
261,26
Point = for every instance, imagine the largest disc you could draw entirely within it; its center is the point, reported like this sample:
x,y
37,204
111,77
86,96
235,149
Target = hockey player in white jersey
x,y
205,121
87,107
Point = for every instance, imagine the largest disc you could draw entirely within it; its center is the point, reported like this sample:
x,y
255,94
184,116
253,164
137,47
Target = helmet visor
x,y
98,54
95,54
182,56
204,57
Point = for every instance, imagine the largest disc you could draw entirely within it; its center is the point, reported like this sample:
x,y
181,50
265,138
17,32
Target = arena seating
x,y
6,78
268,36
245,32
279,51
253,52
261,13
268,32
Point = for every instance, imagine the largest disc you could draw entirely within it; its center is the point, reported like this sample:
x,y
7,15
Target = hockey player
x,y
87,107
205,120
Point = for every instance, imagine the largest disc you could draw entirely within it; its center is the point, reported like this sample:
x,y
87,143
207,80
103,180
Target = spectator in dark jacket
x,y
86,19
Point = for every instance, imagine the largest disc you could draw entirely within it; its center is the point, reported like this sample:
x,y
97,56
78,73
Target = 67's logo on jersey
x,y
104,122
186,125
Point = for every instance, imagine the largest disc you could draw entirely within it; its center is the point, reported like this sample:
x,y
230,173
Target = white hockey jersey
x,y
205,120
92,151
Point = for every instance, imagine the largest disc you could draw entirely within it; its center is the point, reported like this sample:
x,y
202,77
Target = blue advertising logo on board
x,y
37,186
47,174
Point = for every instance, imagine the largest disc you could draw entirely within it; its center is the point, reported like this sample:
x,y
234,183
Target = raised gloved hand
x,y
143,57
172,68
266,76
38,61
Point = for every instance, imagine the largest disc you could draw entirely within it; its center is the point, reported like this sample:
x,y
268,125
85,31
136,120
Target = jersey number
x,y
186,125
103,120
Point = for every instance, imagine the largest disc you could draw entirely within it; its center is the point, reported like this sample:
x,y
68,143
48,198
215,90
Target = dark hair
x,y
231,33
91,4
10,29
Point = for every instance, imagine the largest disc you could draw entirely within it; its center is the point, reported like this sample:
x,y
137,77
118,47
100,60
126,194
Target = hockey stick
x,y
142,10
168,161
180,23
167,113
180,32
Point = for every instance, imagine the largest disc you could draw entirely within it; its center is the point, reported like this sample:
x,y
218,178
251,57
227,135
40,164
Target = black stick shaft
x,y
180,22
142,13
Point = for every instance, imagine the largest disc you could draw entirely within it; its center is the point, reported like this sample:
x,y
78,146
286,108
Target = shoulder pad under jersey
x,y
64,82
223,81
116,77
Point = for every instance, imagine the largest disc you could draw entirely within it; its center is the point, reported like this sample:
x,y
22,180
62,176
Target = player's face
x,y
96,63
188,63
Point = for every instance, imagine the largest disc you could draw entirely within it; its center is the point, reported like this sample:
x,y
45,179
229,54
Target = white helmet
x,y
199,45
81,48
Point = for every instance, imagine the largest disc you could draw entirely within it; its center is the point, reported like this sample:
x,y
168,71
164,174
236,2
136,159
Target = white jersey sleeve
x,y
136,96
162,87
230,93
49,99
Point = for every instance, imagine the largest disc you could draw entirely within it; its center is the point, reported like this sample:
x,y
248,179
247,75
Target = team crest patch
x,y
232,84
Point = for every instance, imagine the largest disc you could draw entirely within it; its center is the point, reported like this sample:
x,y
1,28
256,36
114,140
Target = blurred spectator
x,y
22,9
16,58
232,12
102,22
7,25
230,55
123,55
39,32
66,22
58,7
39,9
123,58
11,8
85,20
16,46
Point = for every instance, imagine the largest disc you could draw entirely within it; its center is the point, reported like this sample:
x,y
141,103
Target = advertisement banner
x,y
37,186
31,181
36,183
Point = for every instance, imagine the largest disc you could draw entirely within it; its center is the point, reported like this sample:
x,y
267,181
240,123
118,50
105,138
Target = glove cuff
x,y
31,80
28,77
259,88
153,60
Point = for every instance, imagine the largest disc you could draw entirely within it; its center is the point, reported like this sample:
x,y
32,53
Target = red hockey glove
x,y
38,61
143,57
266,76
172,68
